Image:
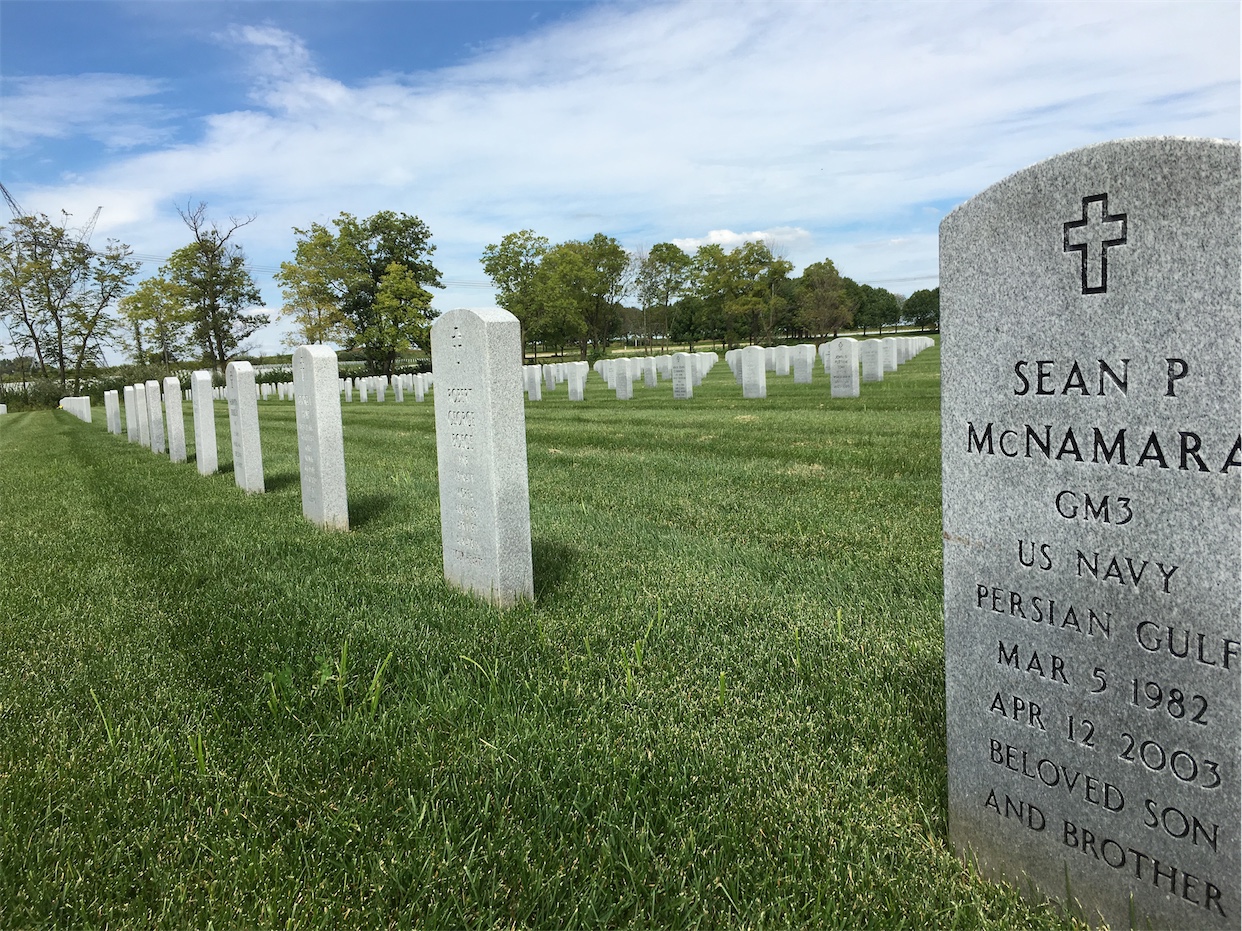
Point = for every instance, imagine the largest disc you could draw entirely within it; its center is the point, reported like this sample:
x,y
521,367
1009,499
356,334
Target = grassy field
x,y
725,708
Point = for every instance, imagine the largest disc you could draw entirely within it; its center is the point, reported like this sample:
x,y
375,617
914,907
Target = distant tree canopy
x,y
573,293
363,284
922,308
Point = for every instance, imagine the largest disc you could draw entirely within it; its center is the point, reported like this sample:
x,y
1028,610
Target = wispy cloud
x,y
108,108
821,127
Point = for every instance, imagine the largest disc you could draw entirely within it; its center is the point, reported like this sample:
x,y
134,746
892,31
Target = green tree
x,y
313,298
213,287
768,275
922,308
57,294
585,281
347,270
689,321
664,275
742,289
399,319
824,305
155,325
513,264
873,307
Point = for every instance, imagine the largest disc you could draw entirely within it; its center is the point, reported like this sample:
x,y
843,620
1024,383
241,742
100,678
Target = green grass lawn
x,y
725,708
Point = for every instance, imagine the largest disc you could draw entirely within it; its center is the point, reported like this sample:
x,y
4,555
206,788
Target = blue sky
x,y
839,130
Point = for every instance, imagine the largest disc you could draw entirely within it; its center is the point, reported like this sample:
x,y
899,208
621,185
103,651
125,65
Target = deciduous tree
x,y
513,265
214,288
922,308
664,275
347,270
57,294
824,306
155,325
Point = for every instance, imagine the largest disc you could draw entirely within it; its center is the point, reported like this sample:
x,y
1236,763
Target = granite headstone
x,y
1092,467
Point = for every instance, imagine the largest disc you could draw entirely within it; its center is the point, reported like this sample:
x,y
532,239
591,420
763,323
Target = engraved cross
x,y
1091,237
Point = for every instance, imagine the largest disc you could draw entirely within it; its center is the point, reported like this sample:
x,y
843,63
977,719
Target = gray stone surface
x,y
481,454
244,426
155,416
623,379
803,358
142,415
683,380
131,415
888,353
782,360
321,444
174,416
754,372
112,411
206,457
1092,476
871,357
843,367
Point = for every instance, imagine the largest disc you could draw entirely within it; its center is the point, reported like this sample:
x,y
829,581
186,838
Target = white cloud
x,y
104,107
820,127
779,238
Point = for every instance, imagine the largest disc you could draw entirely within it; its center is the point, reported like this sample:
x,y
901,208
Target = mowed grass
x,y
725,708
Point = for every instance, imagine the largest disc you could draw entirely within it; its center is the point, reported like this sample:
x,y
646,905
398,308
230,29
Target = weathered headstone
x,y
754,373
803,363
481,454
155,416
175,417
577,380
321,444
651,377
843,367
112,411
871,357
782,360
131,421
888,353
244,426
623,380
205,455
1092,465
142,414
683,380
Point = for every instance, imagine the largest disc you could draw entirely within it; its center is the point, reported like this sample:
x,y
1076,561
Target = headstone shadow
x,y
551,562
281,480
365,508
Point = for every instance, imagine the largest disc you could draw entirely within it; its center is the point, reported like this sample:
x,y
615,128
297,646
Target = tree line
x,y
573,294
364,284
